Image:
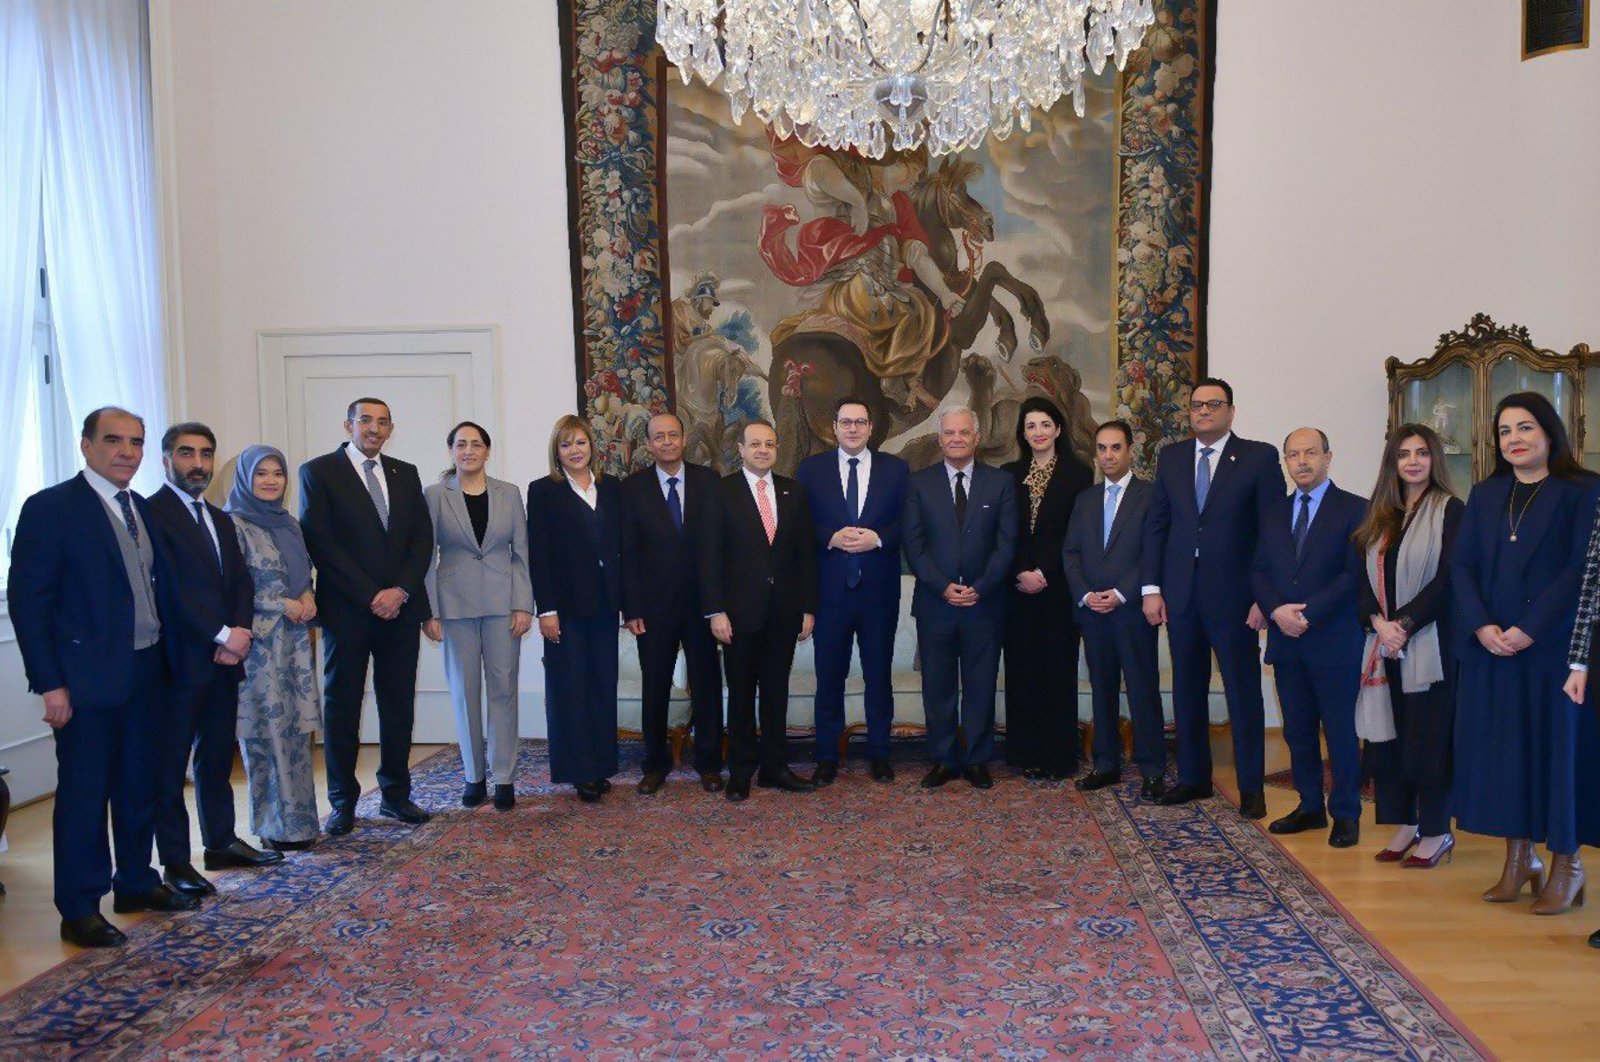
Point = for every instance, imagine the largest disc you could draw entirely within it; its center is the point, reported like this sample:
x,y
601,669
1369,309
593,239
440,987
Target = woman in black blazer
x,y
1041,647
575,558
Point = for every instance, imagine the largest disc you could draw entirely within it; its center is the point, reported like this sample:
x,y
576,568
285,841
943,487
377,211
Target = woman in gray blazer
x,y
482,605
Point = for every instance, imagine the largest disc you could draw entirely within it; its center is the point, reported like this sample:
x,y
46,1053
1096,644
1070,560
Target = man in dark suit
x,y
960,528
758,586
856,496
82,597
207,601
1306,579
1211,494
665,511
369,535
1101,558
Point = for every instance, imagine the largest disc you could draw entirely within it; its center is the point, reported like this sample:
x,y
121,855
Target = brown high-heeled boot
x,y
1564,889
1523,867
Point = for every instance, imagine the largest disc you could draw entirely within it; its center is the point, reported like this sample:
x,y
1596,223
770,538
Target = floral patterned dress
x,y
278,704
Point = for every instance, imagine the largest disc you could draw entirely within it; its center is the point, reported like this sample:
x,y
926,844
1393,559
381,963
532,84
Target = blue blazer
x,y
881,510
574,552
1092,563
977,555
1327,577
70,601
1245,484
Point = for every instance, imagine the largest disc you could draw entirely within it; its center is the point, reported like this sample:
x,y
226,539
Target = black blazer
x,y
574,552
1093,564
741,574
354,556
660,564
1039,548
1326,577
198,598
977,554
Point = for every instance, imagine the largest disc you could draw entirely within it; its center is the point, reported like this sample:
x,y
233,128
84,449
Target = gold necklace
x,y
1515,521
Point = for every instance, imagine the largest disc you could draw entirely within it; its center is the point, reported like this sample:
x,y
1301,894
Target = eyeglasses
x,y
1212,404
859,422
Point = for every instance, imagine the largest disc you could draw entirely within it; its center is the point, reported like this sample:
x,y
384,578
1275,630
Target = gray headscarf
x,y
271,517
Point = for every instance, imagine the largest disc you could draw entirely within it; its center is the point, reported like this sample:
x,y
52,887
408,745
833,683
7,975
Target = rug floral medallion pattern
x,y
866,921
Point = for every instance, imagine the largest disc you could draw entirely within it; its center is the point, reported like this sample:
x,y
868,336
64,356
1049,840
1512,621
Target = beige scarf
x,y
1421,664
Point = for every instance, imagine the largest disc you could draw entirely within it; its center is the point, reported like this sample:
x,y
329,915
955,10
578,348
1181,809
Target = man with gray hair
x,y
960,530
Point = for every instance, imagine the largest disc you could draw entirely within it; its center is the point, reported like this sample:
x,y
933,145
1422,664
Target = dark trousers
x,y
1041,656
1322,697
108,755
960,650
391,646
658,653
757,665
869,624
580,699
1193,635
1424,803
1120,647
202,719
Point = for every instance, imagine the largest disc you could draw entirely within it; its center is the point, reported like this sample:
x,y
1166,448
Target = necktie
x,y
200,518
961,499
1110,514
127,515
674,502
1202,477
377,492
769,519
852,504
1302,524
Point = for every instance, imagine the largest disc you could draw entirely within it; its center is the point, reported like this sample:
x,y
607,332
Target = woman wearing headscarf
x,y
278,706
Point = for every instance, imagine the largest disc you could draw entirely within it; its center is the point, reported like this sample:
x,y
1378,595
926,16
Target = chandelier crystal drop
x,y
874,74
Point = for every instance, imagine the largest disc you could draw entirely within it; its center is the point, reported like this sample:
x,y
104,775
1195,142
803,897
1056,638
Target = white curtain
x,y
21,153
99,213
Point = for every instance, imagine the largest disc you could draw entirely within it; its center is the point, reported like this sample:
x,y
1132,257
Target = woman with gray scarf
x,y
1406,711
278,700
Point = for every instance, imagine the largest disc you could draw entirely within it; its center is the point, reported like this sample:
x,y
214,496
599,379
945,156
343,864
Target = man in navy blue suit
x,y
83,602
960,528
856,497
1306,577
1212,492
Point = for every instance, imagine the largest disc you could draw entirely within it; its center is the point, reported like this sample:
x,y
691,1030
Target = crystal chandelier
x,y
870,74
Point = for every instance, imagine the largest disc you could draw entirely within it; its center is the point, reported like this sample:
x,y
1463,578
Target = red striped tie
x,y
769,519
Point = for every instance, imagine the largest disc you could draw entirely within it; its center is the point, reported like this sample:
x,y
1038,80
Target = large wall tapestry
x,y
727,274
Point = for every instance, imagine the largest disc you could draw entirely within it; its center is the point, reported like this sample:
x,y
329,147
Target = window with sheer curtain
x,y
80,284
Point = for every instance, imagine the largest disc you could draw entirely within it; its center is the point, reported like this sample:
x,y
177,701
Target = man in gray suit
x,y
1101,555
482,601
960,531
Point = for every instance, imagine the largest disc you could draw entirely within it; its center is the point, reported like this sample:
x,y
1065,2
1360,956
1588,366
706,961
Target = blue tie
x,y
1110,515
1302,525
1202,477
852,504
674,503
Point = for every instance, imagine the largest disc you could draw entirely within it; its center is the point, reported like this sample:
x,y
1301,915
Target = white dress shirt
x,y
1116,507
360,460
589,494
772,492
666,489
863,477
950,474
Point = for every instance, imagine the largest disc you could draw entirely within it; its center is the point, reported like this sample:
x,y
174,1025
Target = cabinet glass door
x,y
1444,403
1510,375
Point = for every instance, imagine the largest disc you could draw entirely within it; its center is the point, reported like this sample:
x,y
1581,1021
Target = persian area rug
x,y
863,921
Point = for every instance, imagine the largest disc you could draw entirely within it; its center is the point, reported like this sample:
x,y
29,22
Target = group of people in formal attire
x,y
1439,648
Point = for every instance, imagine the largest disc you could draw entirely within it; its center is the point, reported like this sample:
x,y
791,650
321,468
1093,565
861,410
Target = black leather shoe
x,y
159,898
1594,939
738,789
939,776
93,931
1097,780
187,880
605,786
1298,821
786,780
1151,789
1346,833
978,777
1182,794
711,781
505,797
287,846
405,811
1253,805
473,794
339,822
651,784
239,854
881,771
589,792
1035,774
827,772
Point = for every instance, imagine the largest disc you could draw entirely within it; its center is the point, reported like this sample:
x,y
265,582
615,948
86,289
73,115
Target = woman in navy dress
x,y
574,554
1527,759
